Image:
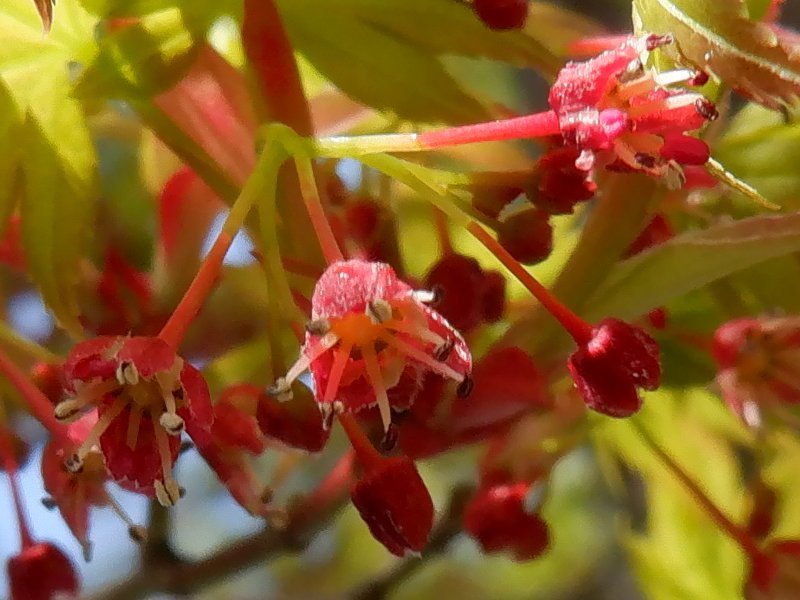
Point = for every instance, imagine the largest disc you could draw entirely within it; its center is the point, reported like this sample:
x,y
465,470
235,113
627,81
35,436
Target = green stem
x,y
187,150
262,178
12,339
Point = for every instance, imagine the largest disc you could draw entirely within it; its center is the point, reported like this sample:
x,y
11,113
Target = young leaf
x,y
375,67
10,127
692,260
717,36
56,183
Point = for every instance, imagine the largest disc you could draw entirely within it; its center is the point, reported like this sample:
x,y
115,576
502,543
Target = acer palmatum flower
x,y
759,366
371,340
144,395
613,364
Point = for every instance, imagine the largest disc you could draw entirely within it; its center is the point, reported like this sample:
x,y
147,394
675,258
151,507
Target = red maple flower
x,y
41,572
371,340
632,118
233,437
758,367
496,517
609,368
144,394
395,504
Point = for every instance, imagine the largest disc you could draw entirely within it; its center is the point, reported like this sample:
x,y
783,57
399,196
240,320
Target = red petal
x,y
197,397
685,149
135,468
150,355
90,360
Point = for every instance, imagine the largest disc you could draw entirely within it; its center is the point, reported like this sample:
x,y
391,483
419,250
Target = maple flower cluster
x,y
383,355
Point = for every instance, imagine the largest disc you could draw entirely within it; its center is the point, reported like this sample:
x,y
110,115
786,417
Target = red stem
x,y
12,468
530,126
580,330
38,404
176,326
366,453
270,56
734,531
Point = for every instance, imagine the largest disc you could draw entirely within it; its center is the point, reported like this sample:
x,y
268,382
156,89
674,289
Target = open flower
x,y
144,395
633,118
371,340
612,365
758,366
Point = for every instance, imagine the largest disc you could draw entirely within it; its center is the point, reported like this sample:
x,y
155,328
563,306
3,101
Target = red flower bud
x,y
502,15
395,504
608,369
527,235
41,572
497,519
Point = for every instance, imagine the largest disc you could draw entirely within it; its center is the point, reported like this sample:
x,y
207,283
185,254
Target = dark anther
x,y
438,294
706,109
185,446
700,78
442,351
465,387
648,161
656,41
389,440
177,393
48,503
318,327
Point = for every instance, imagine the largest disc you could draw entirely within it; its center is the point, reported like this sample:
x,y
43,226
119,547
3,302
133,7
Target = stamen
x,y
630,88
340,358
464,388
421,333
127,374
654,41
136,531
134,420
70,409
424,296
168,492
379,311
172,422
281,389
378,384
74,463
668,78
670,103
49,503
706,109
318,327
389,440
418,355
442,351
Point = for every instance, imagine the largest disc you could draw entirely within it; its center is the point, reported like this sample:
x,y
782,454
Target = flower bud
x,y
396,506
613,364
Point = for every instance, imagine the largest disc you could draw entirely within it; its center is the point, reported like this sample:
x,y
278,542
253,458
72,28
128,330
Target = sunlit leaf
x,y
692,260
718,36
376,68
